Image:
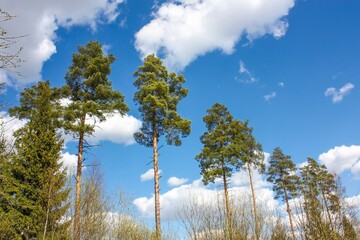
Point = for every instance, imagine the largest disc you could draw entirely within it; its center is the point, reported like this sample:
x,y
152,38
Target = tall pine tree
x,y
221,154
252,156
158,94
91,95
282,173
312,184
36,197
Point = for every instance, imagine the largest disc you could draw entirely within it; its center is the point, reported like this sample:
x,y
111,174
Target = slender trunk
x,y
47,210
78,183
257,230
227,202
289,213
327,209
156,186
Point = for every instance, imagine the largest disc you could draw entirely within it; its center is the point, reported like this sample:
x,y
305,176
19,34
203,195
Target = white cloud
x,y
270,96
39,20
338,95
354,201
182,30
245,75
10,125
342,158
175,199
242,68
148,175
281,84
267,157
174,181
69,162
117,129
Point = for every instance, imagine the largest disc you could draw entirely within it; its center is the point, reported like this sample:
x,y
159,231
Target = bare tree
x,y
9,60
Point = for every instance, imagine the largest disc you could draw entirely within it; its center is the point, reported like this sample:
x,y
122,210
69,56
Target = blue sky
x,y
290,67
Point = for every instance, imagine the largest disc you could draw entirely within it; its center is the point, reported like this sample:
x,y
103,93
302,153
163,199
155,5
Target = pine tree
x,y
220,156
349,232
281,173
91,95
36,198
312,179
7,230
252,156
158,94
279,232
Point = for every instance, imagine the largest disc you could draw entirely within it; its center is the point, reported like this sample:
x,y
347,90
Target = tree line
x,y
34,196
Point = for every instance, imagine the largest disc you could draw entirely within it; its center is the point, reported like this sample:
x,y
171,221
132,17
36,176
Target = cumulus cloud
x,y
182,30
10,125
39,20
175,199
116,129
69,162
148,175
174,181
338,95
342,158
270,96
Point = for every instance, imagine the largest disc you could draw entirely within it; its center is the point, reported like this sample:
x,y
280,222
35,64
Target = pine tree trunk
x,y
327,209
156,186
289,213
257,230
227,203
47,210
78,187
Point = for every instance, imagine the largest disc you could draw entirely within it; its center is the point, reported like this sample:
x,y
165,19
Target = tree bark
x,y
257,231
78,183
156,186
227,202
289,213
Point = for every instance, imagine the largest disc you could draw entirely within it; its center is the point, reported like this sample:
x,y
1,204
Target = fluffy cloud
x,y
175,199
174,181
182,30
342,158
338,95
69,162
39,20
148,175
10,125
270,96
117,129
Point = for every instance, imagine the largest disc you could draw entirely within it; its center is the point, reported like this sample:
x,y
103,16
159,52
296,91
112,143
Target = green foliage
x,y
223,144
228,145
35,197
252,154
279,232
158,95
90,90
282,173
348,229
316,184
